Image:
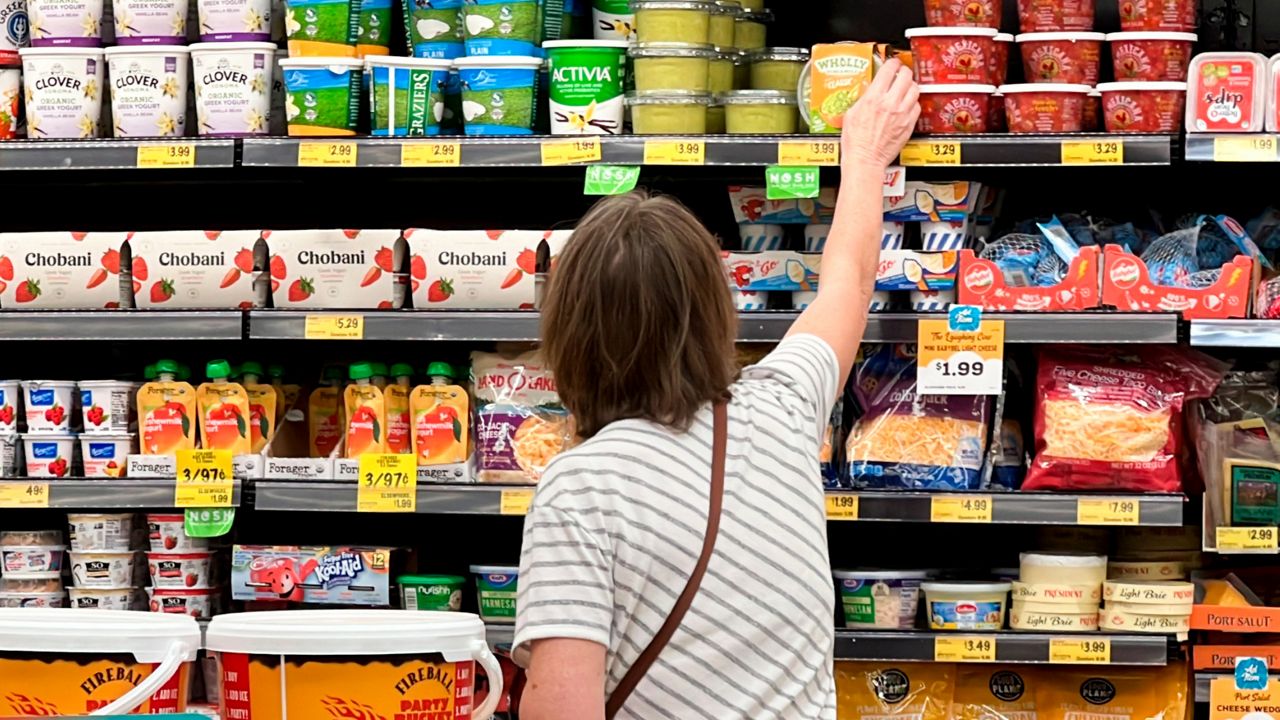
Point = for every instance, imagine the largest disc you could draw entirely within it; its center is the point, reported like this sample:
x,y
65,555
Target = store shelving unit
x,y
122,325
1233,147
1040,150
1010,647
1235,333
1017,508
117,154
339,496
110,493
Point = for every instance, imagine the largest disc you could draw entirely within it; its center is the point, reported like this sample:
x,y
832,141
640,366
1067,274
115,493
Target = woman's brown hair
x,y
638,321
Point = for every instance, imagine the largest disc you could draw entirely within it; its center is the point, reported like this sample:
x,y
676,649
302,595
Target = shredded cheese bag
x,y
907,440
903,691
1111,419
520,424
994,692
1113,693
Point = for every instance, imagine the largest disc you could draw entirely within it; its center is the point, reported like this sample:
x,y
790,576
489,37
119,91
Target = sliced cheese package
x,y
912,691
995,692
1113,693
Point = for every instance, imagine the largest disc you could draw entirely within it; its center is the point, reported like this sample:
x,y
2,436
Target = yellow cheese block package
x,y
912,691
994,692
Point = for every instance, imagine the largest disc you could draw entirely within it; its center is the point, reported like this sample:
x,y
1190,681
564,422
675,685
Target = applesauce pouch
x,y
396,397
838,75
263,404
366,413
325,415
166,412
224,411
440,416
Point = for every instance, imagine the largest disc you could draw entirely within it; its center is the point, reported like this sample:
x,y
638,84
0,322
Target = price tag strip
x,y
334,327
388,483
515,501
960,509
569,152
1095,152
675,152
24,495
823,152
168,155
1107,511
842,507
1080,651
924,153
961,355
1246,148
204,479
328,154
431,154
964,648
1248,539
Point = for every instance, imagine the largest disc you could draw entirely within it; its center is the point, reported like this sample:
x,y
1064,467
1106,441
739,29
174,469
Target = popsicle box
x,y
335,269
1127,286
60,270
330,575
479,269
190,269
772,270
982,283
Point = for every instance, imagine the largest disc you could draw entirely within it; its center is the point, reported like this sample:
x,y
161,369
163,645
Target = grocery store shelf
x,y
1039,150
1233,147
1101,327
121,325
405,325
1014,508
112,154
1235,333
340,496
1010,647
111,493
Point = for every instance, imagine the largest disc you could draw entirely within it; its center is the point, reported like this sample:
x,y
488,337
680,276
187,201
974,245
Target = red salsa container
x,y
1177,15
963,13
1044,107
997,121
954,109
1143,107
1227,92
1151,56
1092,112
1055,15
952,56
1061,57
1000,58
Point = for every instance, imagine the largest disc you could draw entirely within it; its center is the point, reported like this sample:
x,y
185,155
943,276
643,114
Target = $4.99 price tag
x,y
1073,651
960,508
1107,511
962,355
962,648
388,483
842,507
204,479
24,495
1247,539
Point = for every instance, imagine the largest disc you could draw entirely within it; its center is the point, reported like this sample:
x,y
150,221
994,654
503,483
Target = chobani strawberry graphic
x,y
418,267
494,234
111,261
161,291
512,278
55,414
244,260
6,268
371,277
351,234
384,259
139,269
230,278
95,415
27,291
440,290
277,267
223,425
301,289
98,277
527,261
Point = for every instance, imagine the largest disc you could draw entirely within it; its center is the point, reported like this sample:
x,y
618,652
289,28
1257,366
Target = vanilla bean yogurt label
x,y
148,91
65,23
233,84
234,20
150,22
63,92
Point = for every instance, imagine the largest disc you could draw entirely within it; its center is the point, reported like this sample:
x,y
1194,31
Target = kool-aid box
x,y
60,270
335,269
187,269
478,269
326,575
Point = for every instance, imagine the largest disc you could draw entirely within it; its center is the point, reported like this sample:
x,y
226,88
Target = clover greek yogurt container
x,y
234,20
69,23
63,91
233,87
148,90
150,22
587,79
883,599
104,406
496,592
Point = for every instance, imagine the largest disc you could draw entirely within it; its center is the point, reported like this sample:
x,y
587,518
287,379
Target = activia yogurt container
x,y
234,20
233,87
778,68
881,599
587,79
1151,56
672,66
496,591
48,405
673,21
148,90
105,456
502,27
613,20
167,533
322,95
322,28
102,569
954,109
434,28
498,94
70,23
104,406
432,592
406,95
966,605
150,22
760,112
670,113
100,531
49,455
10,394
1061,57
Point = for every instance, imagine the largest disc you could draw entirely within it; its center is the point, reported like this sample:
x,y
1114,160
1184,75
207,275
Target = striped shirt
x,y
617,525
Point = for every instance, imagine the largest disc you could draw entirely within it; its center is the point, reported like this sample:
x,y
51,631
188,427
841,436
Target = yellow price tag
x,y
1107,511
964,648
569,152
334,327
388,483
327,154
921,153
1245,148
960,508
820,152
842,507
431,154
1080,651
24,495
967,361
675,152
168,155
1247,539
204,479
1093,152
515,502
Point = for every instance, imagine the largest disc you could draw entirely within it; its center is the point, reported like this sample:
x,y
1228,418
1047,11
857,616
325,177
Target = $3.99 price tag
x,y
167,155
960,648
962,355
1073,651
204,479
1107,511
1247,539
675,152
388,483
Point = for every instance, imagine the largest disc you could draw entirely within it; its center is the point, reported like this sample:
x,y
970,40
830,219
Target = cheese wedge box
x,y
189,269
60,270
335,269
478,269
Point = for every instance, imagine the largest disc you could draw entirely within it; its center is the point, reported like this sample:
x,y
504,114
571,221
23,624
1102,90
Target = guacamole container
x,y
672,66
406,95
751,30
724,16
496,592
431,592
715,118
720,78
322,95
760,112
434,29
670,112
673,21
502,27
586,92
778,68
498,94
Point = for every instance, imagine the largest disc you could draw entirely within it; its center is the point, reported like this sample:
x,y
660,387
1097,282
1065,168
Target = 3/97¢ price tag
x,y
204,479
388,483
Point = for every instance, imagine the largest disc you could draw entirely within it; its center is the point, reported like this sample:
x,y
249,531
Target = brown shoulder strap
x,y
637,671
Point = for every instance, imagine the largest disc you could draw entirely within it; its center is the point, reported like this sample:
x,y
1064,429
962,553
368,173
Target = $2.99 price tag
x,y
204,479
327,154
962,355
388,483
431,154
973,648
1073,651
1247,539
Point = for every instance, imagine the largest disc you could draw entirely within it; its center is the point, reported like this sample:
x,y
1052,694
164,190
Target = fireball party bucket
x,y
64,661
290,664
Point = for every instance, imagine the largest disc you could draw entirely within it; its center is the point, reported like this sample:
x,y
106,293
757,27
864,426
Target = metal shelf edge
x,y
1011,647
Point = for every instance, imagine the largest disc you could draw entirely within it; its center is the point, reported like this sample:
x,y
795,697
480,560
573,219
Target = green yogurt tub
x,y
723,17
721,77
673,21
778,68
669,113
760,112
750,31
432,592
672,66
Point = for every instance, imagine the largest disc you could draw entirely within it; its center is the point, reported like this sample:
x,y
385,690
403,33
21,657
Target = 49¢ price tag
x,y
960,508
1107,511
388,483
204,479
1073,651
168,155
962,355
328,154
24,495
1247,539
842,507
962,648
334,327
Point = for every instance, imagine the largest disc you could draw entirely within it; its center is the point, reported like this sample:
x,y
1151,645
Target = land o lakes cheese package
x,y
60,270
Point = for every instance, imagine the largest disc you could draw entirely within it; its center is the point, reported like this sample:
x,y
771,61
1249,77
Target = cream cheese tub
x,y
431,592
167,533
669,113
63,89
29,562
760,112
496,591
234,20
673,21
881,599
48,405
103,569
70,23
100,532
233,87
778,68
322,95
150,22
76,662
672,66
148,90
105,456
105,406
49,455
309,664
965,605
406,95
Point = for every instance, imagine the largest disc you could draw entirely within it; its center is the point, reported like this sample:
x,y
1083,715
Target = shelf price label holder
x,y
814,152
166,155
1246,148
571,152
960,508
24,495
1107,511
929,153
204,479
964,648
675,152
334,327
842,507
1080,651
1247,539
515,501
328,153
431,154
1093,152
961,355
388,483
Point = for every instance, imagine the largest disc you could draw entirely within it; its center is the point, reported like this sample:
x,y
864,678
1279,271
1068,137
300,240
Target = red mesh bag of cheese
x,y
1111,418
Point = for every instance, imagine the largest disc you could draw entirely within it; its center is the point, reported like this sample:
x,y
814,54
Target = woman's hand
x,y
881,121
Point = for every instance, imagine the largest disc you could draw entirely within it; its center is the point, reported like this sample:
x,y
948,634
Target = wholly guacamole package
x,y
60,270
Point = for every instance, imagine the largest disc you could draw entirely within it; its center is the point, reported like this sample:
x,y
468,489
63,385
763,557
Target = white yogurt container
x,y
148,90
179,570
196,602
100,532
100,569
9,455
31,561
233,87
33,599
150,22
49,455
167,533
65,23
121,598
64,92
48,405
11,538
10,394
231,21
104,406
104,456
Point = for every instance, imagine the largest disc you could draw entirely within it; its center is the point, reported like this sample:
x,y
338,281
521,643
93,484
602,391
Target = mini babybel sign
x,y
982,283
1127,286
962,355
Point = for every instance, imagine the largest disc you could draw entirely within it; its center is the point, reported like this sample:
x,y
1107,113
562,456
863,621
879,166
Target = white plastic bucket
x,y
233,87
72,645
104,406
148,90
439,650
48,405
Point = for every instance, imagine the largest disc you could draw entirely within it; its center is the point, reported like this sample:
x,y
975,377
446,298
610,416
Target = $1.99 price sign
x,y
204,479
961,355
388,483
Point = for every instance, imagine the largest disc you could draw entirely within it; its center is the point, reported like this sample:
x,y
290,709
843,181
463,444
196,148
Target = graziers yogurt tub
x,y
496,591
406,95
148,90
352,663
48,404
105,405
882,599
64,93
233,87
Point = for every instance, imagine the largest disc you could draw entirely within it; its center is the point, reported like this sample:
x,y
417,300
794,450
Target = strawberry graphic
x,y
301,289
161,291
371,277
137,287
416,285
80,236
98,277
139,269
275,285
440,290
384,259
191,580
111,261
27,291
112,305
58,468
170,542
55,414
244,260
418,267
385,305
351,234
527,261
230,278
277,267
246,305
494,234
95,415
6,268
512,278
213,234
6,415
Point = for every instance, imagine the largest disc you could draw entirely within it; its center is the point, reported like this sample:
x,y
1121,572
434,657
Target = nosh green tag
x,y
611,179
209,522
792,183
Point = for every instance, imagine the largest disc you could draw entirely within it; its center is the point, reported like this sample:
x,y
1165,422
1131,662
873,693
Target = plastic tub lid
x,y
147,636
756,16
54,51
690,50
1004,37
430,579
1059,36
554,44
1043,87
671,5
945,31
780,54
722,7
669,97
50,435
1063,559
1139,86
147,50
408,62
958,88
103,383
497,61
212,47
1180,36
50,383
757,97
345,632
321,62
967,587
880,574
495,569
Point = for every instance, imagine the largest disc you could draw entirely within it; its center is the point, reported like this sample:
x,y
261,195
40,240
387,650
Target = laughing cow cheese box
x,y
478,269
60,270
335,269
187,269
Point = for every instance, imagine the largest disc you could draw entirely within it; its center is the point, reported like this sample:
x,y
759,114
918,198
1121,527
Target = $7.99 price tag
x,y
1107,511
962,355
388,483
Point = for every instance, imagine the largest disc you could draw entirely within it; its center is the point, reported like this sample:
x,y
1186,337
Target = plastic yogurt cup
x,y
233,87
196,602
1044,107
48,405
69,23
31,561
1143,107
100,532
49,454
234,20
106,455
432,592
64,93
587,79
966,605
406,95
760,112
179,570
101,569
322,95
105,406
10,390
322,28
882,599
33,599
121,598
758,237
751,300
148,90
435,29
672,21
496,590
669,113
150,22
498,94
167,533
672,66
502,27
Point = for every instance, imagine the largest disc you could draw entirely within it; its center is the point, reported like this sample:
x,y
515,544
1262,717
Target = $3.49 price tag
x,y
204,479
1247,539
1073,651
964,648
1106,511
962,355
842,507
24,495
388,483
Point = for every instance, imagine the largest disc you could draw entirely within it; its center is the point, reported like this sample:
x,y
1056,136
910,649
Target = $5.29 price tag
x,y
962,355
388,483
334,327
204,479
973,648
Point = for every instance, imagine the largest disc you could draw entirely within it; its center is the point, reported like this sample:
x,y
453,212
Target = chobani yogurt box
x,y
60,270
335,269
478,269
196,268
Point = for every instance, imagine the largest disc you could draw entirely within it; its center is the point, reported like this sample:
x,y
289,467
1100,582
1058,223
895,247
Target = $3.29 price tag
x,y
962,355
924,153
204,479
1247,539
962,648
1093,152
1073,651
388,483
